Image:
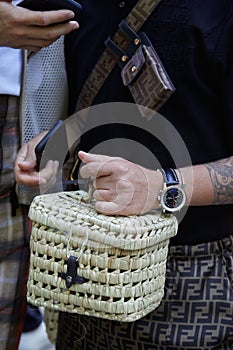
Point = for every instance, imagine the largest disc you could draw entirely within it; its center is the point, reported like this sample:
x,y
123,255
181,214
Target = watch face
x,y
173,199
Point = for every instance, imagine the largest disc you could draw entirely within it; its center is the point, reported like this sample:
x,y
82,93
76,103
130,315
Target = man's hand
x,y
25,167
121,187
32,30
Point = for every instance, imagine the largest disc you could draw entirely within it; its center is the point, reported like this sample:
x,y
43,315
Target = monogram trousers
x,y
196,312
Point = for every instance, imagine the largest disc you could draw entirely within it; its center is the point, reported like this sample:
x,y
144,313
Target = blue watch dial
x,y
173,197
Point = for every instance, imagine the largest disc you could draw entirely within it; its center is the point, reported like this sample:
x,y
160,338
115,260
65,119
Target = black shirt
x,y
194,40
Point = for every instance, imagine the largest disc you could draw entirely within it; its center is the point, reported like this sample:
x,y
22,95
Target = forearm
x,y
210,183
124,188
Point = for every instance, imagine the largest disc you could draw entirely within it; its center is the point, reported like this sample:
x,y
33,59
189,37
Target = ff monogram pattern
x,y
196,312
152,86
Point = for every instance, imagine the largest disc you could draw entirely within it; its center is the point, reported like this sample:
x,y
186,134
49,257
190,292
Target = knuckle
x,y
49,36
119,164
122,167
42,19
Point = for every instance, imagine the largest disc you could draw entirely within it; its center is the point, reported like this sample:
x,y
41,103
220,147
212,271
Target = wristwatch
x,y
172,197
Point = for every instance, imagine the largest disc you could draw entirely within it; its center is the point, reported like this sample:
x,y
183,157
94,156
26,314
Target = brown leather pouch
x,y
142,71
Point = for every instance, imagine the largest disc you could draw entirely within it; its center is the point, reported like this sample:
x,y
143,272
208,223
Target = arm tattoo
x,y
221,175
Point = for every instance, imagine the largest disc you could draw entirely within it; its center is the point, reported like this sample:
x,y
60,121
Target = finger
x,y
48,186
22,174
104,195
28,178
26,159
54,31
20,158
89,157
104,166
105,183
42,36
49,181
43,18
47,173
96,170
108,208
119,200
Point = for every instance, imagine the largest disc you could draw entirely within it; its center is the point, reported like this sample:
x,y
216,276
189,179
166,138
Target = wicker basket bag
x,y
87,263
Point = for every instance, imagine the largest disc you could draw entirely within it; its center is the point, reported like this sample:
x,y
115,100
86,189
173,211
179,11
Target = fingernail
x,y
70,14
56,164
75,24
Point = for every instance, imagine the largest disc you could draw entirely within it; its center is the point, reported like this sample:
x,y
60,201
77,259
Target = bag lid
x,y
69,212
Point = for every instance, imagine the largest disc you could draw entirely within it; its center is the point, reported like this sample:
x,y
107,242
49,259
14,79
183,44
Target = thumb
x,y
26,158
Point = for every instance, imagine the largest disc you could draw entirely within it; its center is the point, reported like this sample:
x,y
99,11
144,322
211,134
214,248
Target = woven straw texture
x,y
121,261
51,323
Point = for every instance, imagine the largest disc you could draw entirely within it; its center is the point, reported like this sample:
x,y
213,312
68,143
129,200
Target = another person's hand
x,y
25,167
121,187
32,30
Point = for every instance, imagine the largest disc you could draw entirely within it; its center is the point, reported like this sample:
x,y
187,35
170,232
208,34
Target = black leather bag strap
x,y
108,60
